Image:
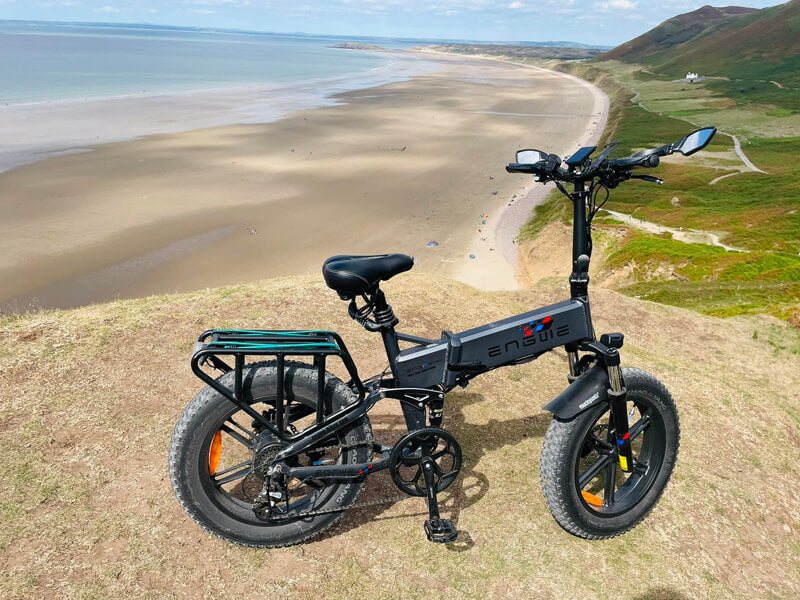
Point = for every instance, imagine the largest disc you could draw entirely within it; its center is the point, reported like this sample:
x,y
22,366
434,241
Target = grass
x,y
750,108
707,278
86,419
554,209
721,299
754,211
758,212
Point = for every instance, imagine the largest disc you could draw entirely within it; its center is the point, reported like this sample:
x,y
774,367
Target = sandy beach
x,y
384,169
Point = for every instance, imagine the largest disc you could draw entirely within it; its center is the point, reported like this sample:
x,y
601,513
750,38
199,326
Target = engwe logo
x,y
536,326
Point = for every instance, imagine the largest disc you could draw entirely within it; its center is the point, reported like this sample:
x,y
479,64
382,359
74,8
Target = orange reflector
x,y
216,450
591,499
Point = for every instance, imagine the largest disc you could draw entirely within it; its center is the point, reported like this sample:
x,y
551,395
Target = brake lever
x,y
649,178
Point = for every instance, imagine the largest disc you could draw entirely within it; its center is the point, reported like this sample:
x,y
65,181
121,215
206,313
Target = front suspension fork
x,y
618,396
606,349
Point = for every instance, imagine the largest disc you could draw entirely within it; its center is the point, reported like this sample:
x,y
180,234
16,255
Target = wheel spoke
x,y
611,483
593,471
244,469
248,440
241,465
640,426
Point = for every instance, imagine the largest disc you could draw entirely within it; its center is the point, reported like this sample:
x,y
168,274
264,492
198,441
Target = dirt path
x,y
747,163
738,148
688,236
721,177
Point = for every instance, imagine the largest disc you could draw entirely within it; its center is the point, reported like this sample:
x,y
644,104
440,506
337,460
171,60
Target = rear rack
x,y
241,343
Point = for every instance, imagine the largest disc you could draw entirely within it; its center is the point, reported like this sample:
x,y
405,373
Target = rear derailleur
x,y
423,463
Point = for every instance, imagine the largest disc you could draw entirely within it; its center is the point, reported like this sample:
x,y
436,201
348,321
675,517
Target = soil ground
x,y
89,397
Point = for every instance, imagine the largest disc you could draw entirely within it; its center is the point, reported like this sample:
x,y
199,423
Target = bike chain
x,y
326,511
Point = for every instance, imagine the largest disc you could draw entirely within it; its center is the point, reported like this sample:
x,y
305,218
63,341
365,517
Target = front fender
x,y
582,394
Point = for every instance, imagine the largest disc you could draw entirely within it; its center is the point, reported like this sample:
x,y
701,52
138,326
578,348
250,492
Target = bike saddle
x,y
355,275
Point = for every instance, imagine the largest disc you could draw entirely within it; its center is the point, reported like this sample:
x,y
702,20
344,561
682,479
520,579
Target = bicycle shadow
x,y
471,485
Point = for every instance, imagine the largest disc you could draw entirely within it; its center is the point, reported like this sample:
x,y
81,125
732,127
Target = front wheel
x,y
586,491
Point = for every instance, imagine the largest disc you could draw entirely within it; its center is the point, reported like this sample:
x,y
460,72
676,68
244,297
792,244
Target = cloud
x,y
108,9
220,3
67,3
616,5
515,5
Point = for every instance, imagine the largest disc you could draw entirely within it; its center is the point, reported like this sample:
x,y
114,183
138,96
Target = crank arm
x,y
437,530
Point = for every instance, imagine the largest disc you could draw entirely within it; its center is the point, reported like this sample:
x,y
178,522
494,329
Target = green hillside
x,y
674,31
734,42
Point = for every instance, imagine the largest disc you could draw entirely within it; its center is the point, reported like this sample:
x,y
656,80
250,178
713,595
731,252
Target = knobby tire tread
x,y
558,446
204,402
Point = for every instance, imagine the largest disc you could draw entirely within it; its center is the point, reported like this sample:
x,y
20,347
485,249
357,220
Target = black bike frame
x,y
479,350
422,374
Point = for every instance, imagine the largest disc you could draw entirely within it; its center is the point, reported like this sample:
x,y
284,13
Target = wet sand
x,y
386,169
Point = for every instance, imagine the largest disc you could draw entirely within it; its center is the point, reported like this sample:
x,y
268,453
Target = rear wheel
x,y
586,491
218,456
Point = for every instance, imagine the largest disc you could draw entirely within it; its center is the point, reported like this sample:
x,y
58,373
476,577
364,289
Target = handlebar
x,y
649,161
610,171
549,168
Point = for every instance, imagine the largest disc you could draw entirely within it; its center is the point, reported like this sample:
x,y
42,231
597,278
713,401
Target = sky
x,y
601,22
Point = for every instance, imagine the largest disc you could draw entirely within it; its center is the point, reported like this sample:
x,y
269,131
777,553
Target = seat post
x,y
384,316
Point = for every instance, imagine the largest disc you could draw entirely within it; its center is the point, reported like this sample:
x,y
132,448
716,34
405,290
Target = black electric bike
x,y
298,445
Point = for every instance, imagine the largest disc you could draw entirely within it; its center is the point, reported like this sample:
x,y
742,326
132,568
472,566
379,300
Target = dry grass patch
x,y
88,399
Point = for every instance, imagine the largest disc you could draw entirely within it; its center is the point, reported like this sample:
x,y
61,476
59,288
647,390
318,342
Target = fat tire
x,y
559,453
208,407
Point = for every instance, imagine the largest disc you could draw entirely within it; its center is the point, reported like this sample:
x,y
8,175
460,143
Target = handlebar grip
x,y
523,168
649,161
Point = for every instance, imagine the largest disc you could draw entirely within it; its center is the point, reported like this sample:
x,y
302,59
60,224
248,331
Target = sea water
x,y
67,88
47,62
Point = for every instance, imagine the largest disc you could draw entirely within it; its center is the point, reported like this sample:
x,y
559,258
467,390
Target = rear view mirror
x,y
695,141
530,157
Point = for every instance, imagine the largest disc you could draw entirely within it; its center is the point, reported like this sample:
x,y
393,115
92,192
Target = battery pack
x,y
513,339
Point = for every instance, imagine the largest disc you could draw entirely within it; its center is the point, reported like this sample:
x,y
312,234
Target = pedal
x,y
440,531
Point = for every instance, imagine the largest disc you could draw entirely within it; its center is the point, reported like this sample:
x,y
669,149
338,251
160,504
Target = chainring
x,y
406,456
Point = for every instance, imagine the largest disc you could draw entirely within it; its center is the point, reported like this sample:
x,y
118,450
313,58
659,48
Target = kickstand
x,y
437,529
